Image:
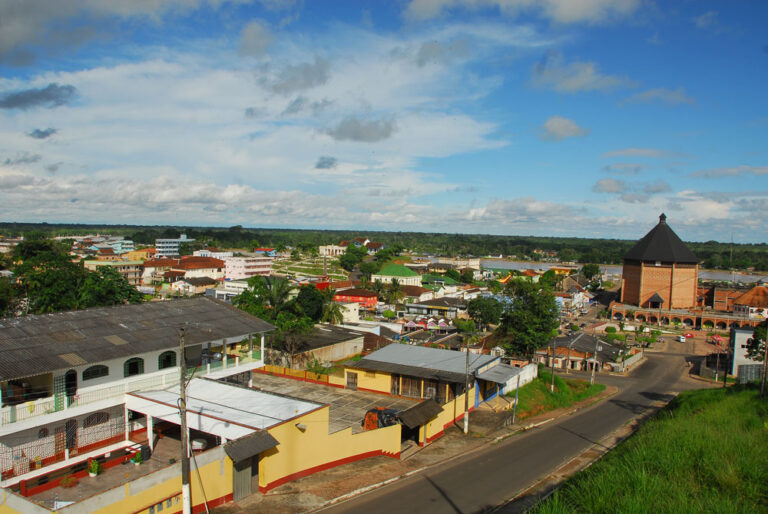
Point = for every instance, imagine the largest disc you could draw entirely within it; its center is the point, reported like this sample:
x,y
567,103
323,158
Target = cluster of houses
x,y
103,385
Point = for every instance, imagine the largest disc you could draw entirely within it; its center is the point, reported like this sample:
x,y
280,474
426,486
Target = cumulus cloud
x,y
303,104
362,130
22,159
660,186
53,95
325,162
609,185
53,167
15,180
557,128
624,168
707,20
255,38
561,11
552,72
654,153
731,171
301,76
42,133
663,95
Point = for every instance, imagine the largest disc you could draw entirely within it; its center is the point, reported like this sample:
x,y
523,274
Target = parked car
x,y
681,339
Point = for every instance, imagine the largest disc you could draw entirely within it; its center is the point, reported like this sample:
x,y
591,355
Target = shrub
x,y
610,330
69,481
94,467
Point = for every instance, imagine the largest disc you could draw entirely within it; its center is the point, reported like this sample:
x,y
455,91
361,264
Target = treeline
x,y
713,254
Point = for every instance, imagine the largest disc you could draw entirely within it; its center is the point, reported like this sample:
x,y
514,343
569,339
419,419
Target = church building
x,y
660,272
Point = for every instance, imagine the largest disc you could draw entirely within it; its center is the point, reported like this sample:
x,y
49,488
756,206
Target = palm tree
x,y
378,288
331,310
276,291
395,293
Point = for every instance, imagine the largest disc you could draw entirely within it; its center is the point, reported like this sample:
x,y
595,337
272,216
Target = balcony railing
x,y
168,377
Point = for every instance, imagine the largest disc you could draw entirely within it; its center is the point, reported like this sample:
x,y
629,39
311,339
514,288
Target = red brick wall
x,y
677,284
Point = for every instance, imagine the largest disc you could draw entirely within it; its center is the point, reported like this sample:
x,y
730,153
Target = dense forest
x,y
713,254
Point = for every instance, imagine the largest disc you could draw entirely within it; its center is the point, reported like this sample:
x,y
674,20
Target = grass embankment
x,y
706,452
535,398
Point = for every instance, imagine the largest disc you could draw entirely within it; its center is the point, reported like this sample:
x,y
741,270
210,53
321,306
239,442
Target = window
x,y
166,360
134,366
95,372
97,418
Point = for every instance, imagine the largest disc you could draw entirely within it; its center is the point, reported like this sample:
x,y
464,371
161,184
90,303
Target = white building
x,y
64,397
237,268
216,254
332,250
170,247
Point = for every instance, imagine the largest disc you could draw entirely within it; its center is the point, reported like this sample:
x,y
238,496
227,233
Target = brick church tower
x,y
660,272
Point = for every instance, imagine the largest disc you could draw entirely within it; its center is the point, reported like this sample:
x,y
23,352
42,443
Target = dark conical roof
x,y
661,244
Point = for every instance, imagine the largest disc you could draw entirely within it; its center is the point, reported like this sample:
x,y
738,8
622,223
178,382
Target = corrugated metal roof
x,y
420,413
34,344
499,374
250,445
423,362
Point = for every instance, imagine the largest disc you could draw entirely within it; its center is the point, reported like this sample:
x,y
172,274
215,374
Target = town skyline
x,y
561,119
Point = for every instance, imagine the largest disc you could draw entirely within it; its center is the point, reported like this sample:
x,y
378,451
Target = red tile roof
x,y
160,263
199,263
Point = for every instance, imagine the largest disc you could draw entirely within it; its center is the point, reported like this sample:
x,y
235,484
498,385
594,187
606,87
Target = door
x,y
71,436
60,441
395,388
241,479
430,388
70,385
352,380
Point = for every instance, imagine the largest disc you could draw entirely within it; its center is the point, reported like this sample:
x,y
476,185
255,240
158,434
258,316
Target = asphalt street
x,y
488,478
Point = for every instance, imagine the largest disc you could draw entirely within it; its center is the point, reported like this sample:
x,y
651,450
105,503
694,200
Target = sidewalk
x,y
316,491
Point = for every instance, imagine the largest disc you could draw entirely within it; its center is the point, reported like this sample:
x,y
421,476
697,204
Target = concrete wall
x,y
452,412
309,448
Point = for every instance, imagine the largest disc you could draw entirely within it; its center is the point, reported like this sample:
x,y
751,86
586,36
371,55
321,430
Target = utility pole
x,y
594,364
186,495
765,369
552,384
466,392
514,409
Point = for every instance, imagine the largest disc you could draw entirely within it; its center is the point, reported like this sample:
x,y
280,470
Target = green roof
x,y
430,278
396,270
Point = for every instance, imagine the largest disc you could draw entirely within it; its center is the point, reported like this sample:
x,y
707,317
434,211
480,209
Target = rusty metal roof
x,y
42,343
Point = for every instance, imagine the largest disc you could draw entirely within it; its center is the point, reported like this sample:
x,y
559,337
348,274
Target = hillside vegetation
x,y
706,452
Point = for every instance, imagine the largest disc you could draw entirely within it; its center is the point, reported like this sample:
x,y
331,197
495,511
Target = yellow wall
x,y
313,448
372,380
451,411
216,477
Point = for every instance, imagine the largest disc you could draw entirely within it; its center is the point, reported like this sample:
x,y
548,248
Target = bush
x,y
610,330
69,481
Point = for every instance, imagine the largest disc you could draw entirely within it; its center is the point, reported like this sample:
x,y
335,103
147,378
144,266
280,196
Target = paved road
x,y
488,478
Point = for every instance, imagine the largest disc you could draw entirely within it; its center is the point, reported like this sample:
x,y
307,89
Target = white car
x,y
681,339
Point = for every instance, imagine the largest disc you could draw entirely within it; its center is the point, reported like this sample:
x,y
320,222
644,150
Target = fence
x,y
300,374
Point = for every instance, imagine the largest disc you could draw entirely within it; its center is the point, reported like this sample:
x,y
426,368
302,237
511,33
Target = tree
x,y
107,287
379,288
467,276
368,268
7,296
453,275
389,314
590,270
290,329
310,301
531,321
265,298
465,325
394,292
484,310
352,257
756,344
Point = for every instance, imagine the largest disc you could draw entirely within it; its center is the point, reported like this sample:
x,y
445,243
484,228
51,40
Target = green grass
x,y
706,452
536,398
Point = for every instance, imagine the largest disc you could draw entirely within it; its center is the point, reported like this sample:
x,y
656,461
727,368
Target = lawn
x,y
705,452
536,398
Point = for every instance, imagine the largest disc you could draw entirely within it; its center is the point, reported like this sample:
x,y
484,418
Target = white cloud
x,y
561,11
554,73
731,171
255,38
707,20
557,128
661,94
624,168
653,153
609,185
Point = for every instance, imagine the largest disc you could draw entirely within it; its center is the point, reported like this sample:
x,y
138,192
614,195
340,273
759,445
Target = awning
x,y
250,445
420,413
499,374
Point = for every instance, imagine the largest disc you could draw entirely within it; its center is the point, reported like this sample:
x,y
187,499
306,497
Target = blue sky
x,y
547,117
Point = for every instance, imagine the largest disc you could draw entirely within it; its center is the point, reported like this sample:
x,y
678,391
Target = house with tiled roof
x,y
366,299
373,247
752,304
403,275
